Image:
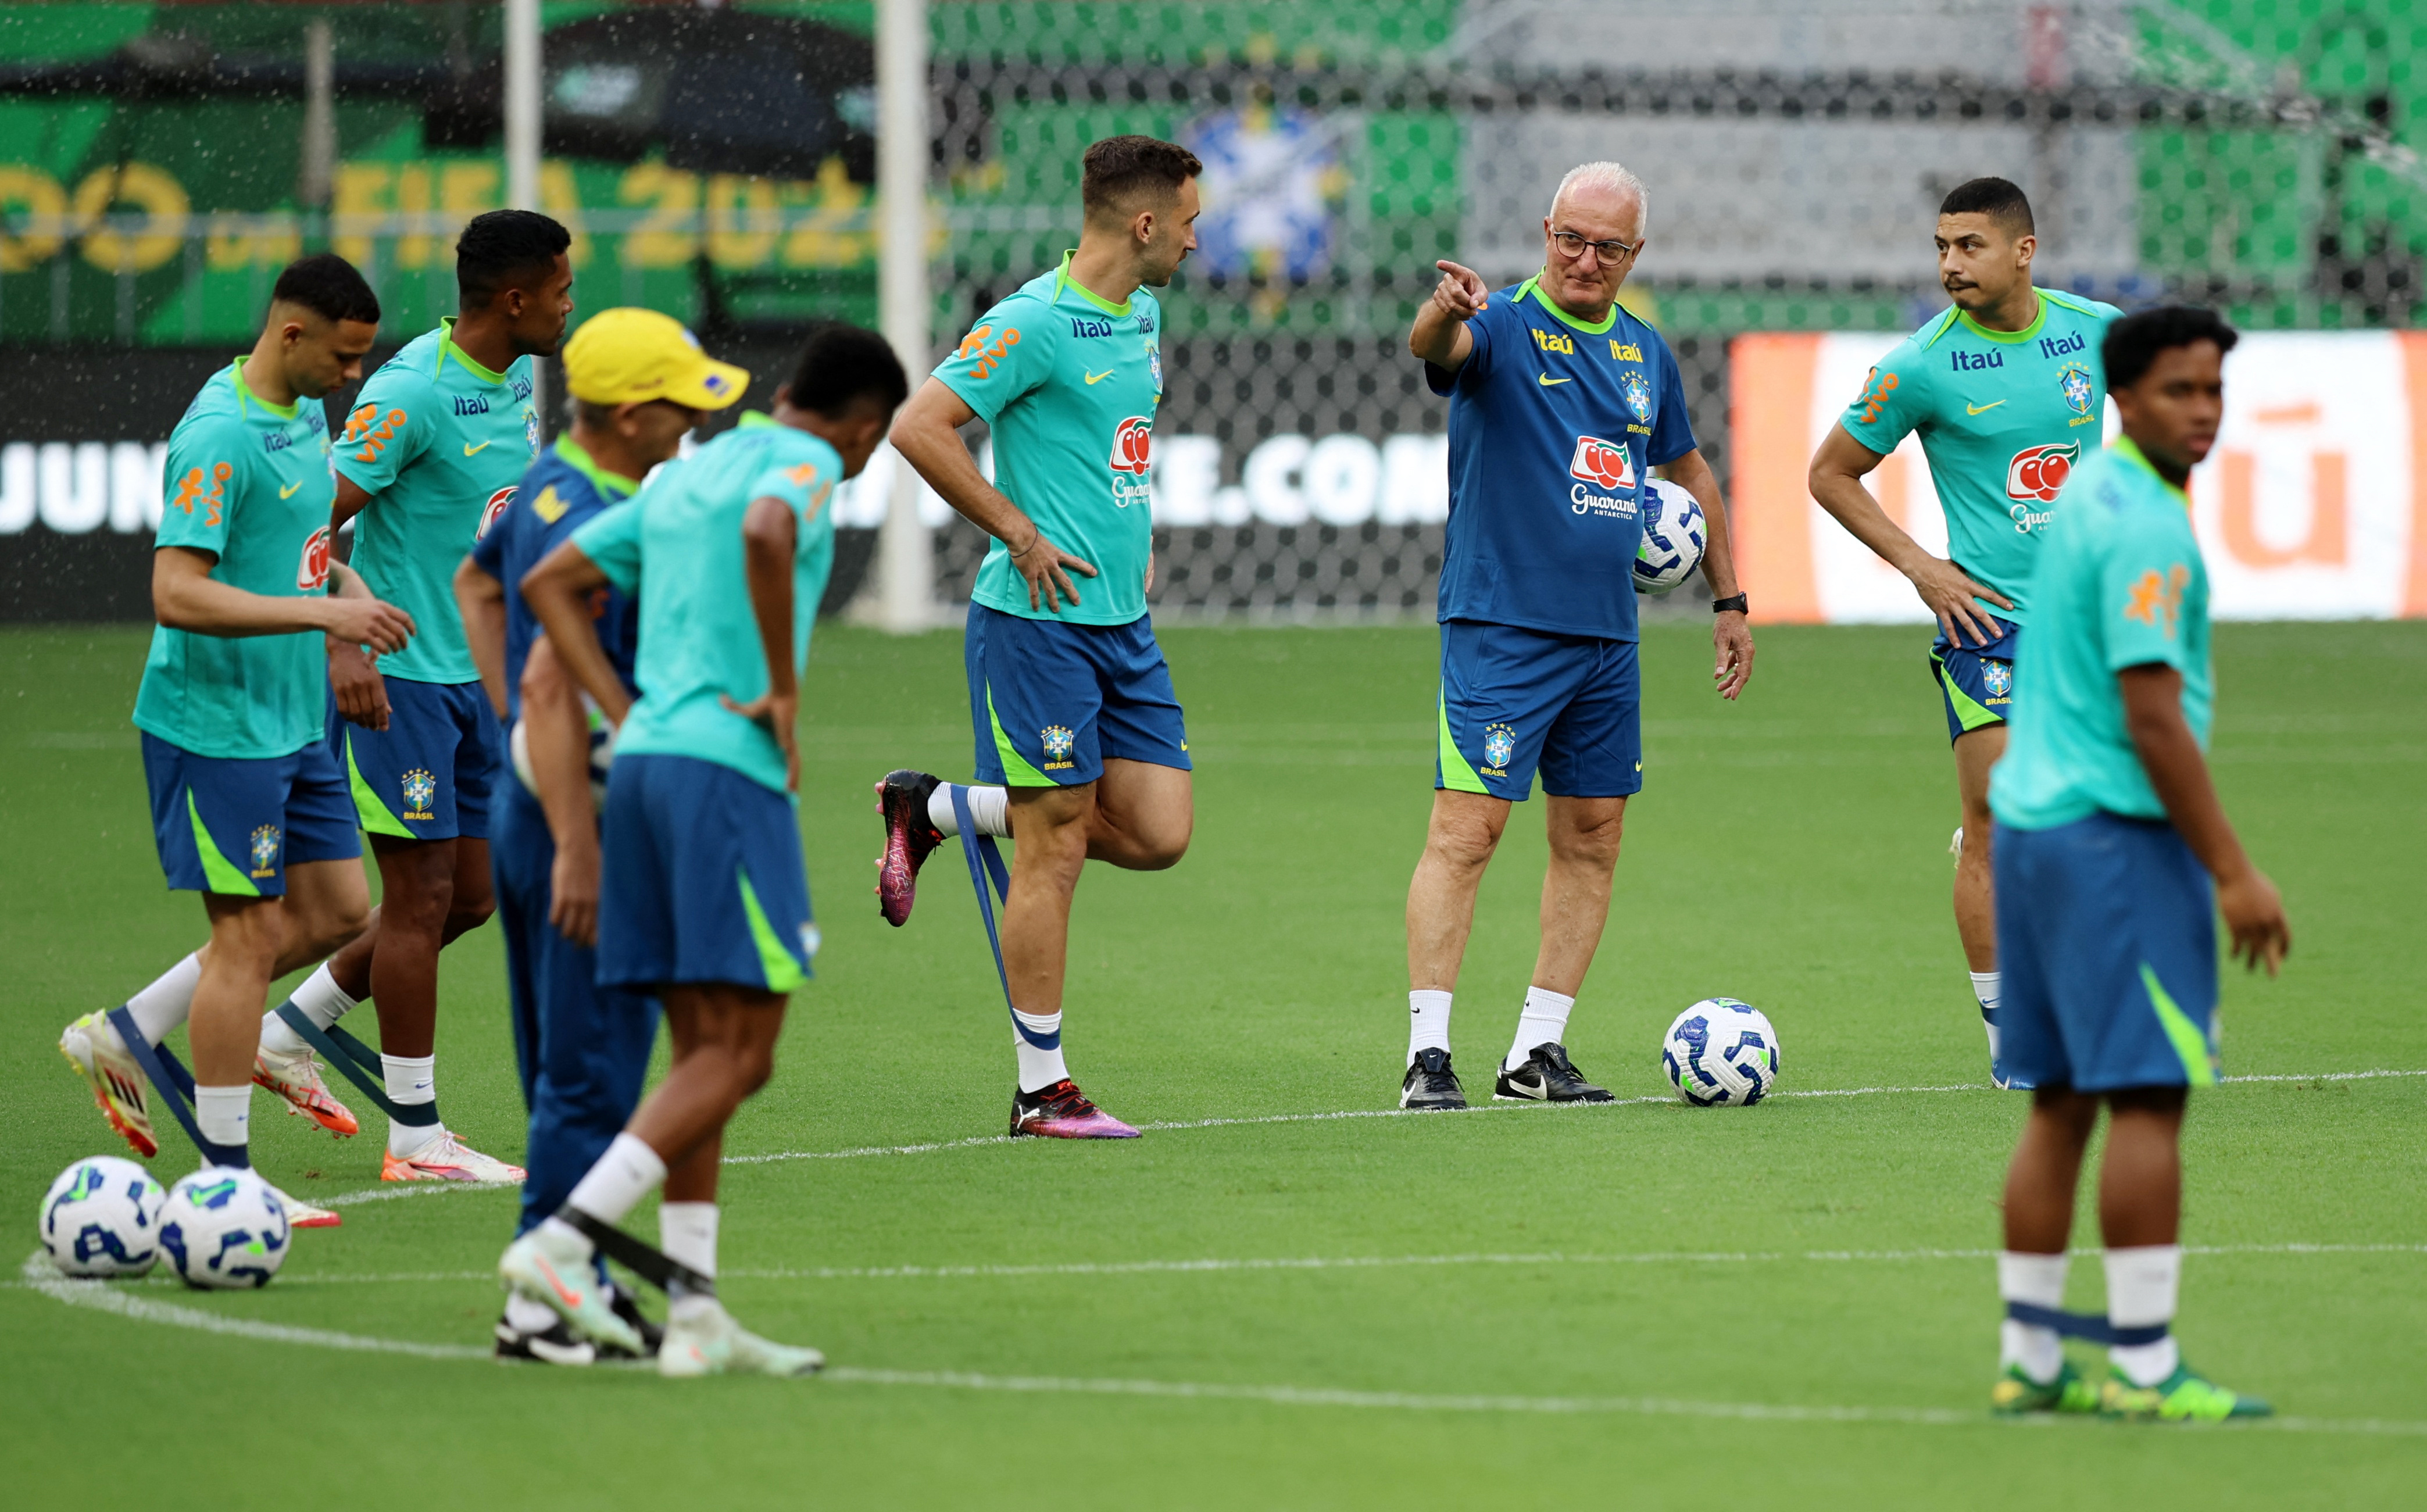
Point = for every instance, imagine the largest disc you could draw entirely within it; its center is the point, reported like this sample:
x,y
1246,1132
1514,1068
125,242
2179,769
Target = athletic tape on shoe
x,y
359,1064
2090,1327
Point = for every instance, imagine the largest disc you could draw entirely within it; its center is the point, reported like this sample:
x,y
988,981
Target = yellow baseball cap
x,y
630,356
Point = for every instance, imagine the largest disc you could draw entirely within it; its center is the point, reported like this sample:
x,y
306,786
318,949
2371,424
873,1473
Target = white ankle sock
x,y
411,1081
2038,1279
1427,1021
1039,1068
224,1114
687,1232
164,1004
1984,990
324,1002
1544,1022
627,1173
989,806
2142,1285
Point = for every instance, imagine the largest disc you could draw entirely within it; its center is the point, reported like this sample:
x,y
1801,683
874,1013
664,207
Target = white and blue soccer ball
x,y
102,1218
1673,532
222,1227
602,754
1721,1053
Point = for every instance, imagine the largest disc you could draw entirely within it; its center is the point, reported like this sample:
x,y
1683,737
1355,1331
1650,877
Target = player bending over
x,y
1560,402
437,441
704,901
2110,834
2008,395
1080,747
247,805
639,383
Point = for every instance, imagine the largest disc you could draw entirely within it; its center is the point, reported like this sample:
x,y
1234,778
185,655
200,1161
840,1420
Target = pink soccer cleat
x,y
910,838
1062,1112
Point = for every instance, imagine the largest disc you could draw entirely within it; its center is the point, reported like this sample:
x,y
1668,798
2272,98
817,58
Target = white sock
x,y
687,1232
411,1081
2142,1284
324,1002
224,1114
1544,1022
1984,989
627,1173
1427,1022
164,1004
2038,1279
524,1315
990,807
1038,1068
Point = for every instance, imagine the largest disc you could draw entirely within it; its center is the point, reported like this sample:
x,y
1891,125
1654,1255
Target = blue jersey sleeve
x,y
1672,428
1478,367
1006,355
207,469
391,424
611,539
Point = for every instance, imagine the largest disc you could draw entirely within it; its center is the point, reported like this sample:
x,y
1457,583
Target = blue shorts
x,y
427,776
2107,956
1976,683
703,879
1513,700
233,824
1052,703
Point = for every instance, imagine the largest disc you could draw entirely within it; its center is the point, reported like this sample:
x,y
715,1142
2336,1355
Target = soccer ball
x,y
1721,1052
225,1228
1673,530
602,754
102,1218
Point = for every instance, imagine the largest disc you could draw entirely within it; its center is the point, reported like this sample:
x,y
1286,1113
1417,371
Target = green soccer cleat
x,y
712,1343
2017,1393
2182,1397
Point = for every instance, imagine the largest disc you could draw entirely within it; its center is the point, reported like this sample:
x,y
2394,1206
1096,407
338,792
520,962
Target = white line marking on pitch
x,y
104,1297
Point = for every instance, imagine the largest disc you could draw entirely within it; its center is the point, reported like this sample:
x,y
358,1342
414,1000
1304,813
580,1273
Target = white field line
x,y
104,1297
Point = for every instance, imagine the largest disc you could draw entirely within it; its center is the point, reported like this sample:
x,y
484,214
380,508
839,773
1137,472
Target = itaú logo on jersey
x,y
1129,446
489,511
311,569
2037,473
1607,465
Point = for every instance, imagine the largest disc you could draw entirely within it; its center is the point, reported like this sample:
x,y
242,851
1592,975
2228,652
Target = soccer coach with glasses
x,y
1560,404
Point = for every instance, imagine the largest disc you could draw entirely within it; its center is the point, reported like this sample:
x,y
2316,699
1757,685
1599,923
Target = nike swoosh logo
x,y
1981,409
471,450
1546,380
1094,379
288,491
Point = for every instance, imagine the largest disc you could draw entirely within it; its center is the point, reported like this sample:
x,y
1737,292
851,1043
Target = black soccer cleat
x,y
1547,1076
1430,1086
910,838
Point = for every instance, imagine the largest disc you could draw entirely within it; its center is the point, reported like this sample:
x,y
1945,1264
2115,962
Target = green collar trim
x,y
577,456
244,394
1534,286
1062,280
2126,448
753,419
446,344
2008,337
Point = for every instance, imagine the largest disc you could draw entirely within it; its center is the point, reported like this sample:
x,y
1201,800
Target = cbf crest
x,y
2080,394
420,792
1058,742
530,429
1998,677
1638,392
1499,745
265,850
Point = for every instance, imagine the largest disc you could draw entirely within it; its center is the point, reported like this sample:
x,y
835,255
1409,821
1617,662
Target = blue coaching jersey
x,y
1554,424
558,495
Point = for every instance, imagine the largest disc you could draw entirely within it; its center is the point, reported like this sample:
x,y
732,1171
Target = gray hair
x,y
1609,175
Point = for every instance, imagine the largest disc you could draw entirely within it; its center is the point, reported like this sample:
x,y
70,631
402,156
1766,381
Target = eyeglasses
x,y
1572,247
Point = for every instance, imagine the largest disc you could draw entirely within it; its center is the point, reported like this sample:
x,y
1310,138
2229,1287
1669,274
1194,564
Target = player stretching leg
x,y
248,807
2007,394
1071,699
1559,402
704,901
2108,834
432,453
639,383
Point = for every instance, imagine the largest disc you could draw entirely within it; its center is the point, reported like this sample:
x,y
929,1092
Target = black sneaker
x,y
1547,1076
910,838
1430,1083
555,1344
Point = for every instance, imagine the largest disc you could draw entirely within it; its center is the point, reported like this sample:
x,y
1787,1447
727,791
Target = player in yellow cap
x,y
639,383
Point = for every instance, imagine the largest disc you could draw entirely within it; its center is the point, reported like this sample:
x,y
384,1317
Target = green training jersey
x,y
2004,417
1070,384
2119,583
249,482
439,443
678,543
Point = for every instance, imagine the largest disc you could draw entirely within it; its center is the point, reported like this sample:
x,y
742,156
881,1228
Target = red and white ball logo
x,y
312,571
1606,465
489,513
1129,446
2039,472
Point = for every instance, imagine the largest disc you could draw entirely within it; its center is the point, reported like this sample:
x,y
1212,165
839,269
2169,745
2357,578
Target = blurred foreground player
x,y
704,901
2113,858
639,383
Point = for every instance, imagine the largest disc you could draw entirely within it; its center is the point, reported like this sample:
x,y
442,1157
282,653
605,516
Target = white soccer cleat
x,y
116,1081
712,1343
560,1272
447,1159
296,1080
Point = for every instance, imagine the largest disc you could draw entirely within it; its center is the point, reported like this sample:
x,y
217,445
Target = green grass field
x,y
1258,1304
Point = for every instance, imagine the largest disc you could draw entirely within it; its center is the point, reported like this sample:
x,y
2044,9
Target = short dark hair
x,y
2133,342
1118,168
498,248
2001,200
329,286
841,365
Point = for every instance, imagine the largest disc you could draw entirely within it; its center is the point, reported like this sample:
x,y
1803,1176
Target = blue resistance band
x,y
986,862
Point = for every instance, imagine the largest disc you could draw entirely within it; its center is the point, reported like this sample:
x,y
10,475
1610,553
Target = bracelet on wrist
x,y
1734,602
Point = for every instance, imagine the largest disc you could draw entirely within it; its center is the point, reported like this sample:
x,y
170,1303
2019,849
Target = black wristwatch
x,y
1733,601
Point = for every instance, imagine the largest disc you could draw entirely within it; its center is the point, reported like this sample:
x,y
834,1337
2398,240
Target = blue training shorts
x,y
1513,700
1053,702
233,824
1976,683
427,776
2107,953
702,879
